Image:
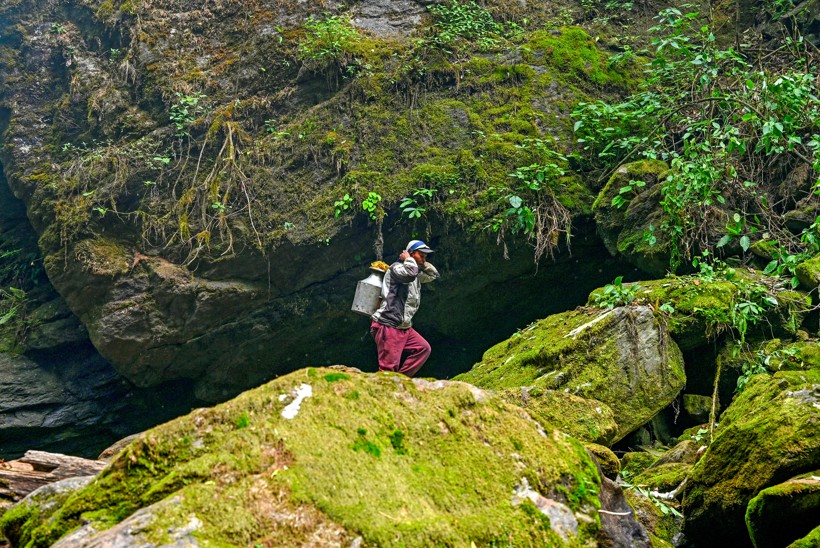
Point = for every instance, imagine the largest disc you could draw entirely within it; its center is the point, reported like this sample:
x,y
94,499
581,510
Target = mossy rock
x,y
42,502
769,433
685,452
588,420
334,451
703,307
623,228
620,357
771,356
697,407
662,527
635,462
664,477
812,540
786,512
607,460
808,272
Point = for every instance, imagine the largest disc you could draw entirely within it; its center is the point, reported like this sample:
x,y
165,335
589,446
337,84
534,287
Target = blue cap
x,y
418,245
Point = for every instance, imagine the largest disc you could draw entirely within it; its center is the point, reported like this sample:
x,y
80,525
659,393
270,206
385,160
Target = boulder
x,y
586,419
811,540
662,526
769,433
621,357
697,407
808,272
784,513
635,462
607,461
663,477
624,227
46,499
703,305
336,456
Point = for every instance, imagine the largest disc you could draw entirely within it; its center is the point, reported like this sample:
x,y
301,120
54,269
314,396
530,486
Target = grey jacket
x,y
401,292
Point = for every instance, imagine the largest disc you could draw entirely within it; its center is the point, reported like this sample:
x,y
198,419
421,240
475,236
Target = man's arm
x,y
406,271
428,273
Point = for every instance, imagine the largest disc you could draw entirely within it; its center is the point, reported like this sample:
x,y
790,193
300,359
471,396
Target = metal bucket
x,y
368,292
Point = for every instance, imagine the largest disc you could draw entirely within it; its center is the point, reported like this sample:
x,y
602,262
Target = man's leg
x,y
416,352
390,343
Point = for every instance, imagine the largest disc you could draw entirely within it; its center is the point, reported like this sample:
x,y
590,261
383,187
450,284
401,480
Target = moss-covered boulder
x,y
621,357
808,272
697,407
586,419
656,516
809,541
770,433
786,512
607,460
635,462
664,477
624,210
335,455
703,305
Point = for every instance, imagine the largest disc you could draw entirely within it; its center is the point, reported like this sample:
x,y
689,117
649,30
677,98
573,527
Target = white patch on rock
x,y
574,332
292,409
562,520
424,384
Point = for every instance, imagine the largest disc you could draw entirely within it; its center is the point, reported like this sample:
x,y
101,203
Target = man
x,y
401,348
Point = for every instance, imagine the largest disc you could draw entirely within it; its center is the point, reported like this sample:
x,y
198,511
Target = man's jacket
x,y
401,292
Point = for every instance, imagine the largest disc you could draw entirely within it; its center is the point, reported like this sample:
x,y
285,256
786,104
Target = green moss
x,y
765,435
809,541
661,527
590,363
609,463
664,477
780,514
333,377
585,419
444,473
808,272
573,54
635,462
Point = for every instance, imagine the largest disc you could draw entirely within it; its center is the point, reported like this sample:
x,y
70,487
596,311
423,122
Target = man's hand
x,y
403,256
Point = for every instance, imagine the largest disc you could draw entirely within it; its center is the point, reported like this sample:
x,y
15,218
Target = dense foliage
x,y
732,122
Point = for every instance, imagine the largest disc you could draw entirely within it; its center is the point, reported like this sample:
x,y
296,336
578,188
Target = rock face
x,y
334,456
181,165
770,433
622,358
79,405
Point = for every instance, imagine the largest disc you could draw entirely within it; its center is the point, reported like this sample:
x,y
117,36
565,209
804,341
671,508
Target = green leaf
x,y
723,241
745,243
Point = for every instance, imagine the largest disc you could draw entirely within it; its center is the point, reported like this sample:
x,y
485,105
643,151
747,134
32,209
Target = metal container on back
x,y
368,292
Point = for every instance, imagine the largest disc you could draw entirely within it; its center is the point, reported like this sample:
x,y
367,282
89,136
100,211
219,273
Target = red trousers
x,y
400,350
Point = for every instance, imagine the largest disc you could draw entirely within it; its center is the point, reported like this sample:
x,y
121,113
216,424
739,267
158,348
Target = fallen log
x,y
20,477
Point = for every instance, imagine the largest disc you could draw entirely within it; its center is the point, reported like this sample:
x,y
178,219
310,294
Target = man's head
x,y
418,250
